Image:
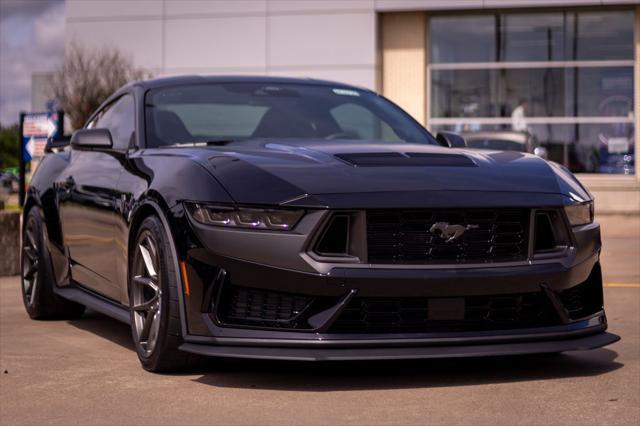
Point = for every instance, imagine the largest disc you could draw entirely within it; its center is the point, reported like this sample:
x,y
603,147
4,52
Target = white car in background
x,y
505,141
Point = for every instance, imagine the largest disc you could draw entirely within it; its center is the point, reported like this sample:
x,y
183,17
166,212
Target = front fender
x,y
177,178
154,206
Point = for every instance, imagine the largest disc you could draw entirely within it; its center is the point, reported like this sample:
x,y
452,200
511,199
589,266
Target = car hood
x,y
352,174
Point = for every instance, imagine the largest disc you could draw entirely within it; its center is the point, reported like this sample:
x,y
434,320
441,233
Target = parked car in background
x,y
297,219
505,141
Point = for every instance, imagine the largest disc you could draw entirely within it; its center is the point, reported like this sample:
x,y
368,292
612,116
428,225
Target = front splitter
x,y
390,353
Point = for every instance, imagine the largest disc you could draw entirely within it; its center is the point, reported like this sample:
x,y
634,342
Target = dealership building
x,y
569,69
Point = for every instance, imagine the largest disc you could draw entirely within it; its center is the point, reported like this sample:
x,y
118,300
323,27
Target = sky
x,y
31,40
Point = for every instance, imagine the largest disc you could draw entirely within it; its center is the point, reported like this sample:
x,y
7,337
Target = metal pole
x,y
60,123
22,180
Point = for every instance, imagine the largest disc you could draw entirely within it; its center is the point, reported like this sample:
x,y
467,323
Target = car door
x,y
88,199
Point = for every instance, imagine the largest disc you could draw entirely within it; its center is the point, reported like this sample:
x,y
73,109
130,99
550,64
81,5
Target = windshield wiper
x,y
209,142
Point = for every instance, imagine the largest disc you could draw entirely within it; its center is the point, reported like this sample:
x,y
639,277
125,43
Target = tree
x,y
8,147
88,77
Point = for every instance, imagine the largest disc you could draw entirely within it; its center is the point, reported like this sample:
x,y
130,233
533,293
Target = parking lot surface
x,y
86,372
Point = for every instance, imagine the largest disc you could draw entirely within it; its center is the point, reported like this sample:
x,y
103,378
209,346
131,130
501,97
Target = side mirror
x,y
91,138
451,140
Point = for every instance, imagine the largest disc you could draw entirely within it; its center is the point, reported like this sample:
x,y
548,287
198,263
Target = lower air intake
x,y
472,313
263,308
584,299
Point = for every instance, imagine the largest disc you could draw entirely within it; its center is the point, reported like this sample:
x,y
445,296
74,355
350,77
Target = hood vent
x,y
382,159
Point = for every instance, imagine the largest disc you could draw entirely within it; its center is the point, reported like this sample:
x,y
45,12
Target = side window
x,y
119,118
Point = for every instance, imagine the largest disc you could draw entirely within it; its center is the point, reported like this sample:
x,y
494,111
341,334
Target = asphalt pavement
x,y
86,372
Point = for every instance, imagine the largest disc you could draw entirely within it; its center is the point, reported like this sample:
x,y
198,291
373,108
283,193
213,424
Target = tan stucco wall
x,y
613,193
403,53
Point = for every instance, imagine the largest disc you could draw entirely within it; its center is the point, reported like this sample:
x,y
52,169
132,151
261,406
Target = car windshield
x,y
224,112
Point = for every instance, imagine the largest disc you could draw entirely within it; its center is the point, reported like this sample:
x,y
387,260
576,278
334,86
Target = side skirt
x,y
97,303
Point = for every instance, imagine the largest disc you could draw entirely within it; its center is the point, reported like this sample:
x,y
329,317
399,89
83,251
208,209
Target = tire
x,y
37,277
153,299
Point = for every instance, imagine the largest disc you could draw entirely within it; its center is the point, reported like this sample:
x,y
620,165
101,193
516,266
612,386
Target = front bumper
x,y
219,260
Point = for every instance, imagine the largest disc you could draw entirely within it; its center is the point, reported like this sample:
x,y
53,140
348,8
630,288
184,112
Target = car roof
x,y
201,79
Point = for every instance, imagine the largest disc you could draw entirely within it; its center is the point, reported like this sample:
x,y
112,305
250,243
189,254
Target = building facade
x,y
567,72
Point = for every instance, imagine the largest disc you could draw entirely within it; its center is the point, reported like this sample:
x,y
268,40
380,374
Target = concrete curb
x,y
9,242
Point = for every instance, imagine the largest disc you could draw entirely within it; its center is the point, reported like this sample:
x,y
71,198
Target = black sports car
x,y
306,220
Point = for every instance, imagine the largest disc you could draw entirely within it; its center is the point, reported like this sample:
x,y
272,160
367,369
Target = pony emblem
x,y
448,232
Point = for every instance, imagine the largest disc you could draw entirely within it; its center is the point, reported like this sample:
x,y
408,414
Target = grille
x,y
406,236
412,315
248,306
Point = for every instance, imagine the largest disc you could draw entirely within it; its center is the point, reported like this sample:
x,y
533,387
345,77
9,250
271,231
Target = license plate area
x,y
445,309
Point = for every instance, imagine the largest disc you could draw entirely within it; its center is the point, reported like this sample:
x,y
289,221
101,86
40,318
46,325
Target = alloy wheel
x,y
30,262
146,294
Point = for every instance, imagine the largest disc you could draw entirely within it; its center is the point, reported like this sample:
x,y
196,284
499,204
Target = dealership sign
x,y
37,127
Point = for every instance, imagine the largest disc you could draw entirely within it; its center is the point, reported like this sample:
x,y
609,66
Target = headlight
x,y
580,214
241,217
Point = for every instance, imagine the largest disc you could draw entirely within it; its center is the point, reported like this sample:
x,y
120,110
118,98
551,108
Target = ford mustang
x,y
306,220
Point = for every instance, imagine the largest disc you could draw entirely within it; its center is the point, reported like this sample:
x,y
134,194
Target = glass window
x,y
497,92
119,118
604,35
584,148
534,36
564,77
604,91
463,38
548,92
242,111
589,148
550,36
